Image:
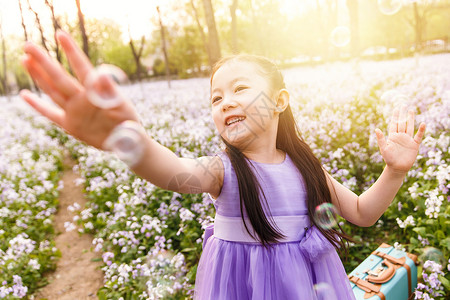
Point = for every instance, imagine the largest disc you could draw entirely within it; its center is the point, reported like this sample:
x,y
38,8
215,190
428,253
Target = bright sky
x,y
134,13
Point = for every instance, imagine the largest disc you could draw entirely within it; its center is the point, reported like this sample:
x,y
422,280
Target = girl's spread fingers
x,y
53,113
380,139
410,123
394,121
401,126
66,85
77,59
43,81
420,132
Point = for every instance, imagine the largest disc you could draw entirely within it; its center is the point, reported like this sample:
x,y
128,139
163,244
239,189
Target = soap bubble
x,y
389,95
102,86
324,291
340,36
431,253
389,7
126,142
394,99
325,216
400,99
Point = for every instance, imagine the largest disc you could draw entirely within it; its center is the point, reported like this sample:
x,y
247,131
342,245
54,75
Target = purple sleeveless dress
x,y
235,266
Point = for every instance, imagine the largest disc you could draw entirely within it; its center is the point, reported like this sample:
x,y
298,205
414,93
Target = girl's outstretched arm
x,y
399,152
75,114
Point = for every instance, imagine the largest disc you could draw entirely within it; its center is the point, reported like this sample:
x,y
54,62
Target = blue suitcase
x,y
387,274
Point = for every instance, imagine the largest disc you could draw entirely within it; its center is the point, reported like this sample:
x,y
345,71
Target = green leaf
x,y
440,235
431,222
188,249
96,259
445,282
420,230
445,243
101,295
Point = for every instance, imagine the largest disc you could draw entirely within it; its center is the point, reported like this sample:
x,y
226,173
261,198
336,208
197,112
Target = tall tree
x,y
56,26
214,44
82,29
39,26
164,48
23,21
202,33
25,33
419,20
4,76
234,37
137,54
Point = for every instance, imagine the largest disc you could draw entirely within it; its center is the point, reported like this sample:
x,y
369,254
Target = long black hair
x,y
289,140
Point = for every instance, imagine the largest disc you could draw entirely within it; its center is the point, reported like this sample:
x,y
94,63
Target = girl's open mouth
x,y
234,120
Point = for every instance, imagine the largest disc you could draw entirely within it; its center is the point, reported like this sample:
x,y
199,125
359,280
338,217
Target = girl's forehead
x,y
234,69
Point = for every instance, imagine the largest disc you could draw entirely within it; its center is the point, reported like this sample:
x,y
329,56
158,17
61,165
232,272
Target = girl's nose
x,y
226,105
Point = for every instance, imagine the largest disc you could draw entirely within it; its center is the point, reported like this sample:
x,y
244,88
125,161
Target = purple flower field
x,y
151,239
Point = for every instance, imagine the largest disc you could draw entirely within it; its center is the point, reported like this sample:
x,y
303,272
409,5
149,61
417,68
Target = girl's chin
x,y
240,139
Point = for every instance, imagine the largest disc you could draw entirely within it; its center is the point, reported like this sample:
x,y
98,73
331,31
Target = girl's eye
x,y
240,88
216,99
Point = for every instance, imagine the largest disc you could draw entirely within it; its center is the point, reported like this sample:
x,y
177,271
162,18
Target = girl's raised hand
x,y
74,112
400,149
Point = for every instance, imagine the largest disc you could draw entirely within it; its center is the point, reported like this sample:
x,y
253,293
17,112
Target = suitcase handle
x,y
385,276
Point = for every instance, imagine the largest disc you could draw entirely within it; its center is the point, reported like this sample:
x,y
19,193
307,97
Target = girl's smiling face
x,y
243,106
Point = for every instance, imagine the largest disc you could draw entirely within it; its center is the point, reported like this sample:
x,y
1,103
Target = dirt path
x,y
77,277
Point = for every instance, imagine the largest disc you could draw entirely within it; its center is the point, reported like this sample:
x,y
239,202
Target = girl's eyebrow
x,y
241,78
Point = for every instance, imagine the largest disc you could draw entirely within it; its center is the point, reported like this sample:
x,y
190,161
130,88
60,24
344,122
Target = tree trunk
x,y
202,33
23,22
234,38
352,6
214,44
163,42
39,26
36,88
56,26
82,29
418,27
137,55
4,78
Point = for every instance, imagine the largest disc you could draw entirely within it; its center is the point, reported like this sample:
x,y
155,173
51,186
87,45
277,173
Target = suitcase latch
x,y
376,272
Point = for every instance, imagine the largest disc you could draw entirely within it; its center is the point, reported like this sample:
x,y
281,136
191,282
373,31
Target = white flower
x,y
399,246
409,221
74,207
433,204
186,214
33,263
69,226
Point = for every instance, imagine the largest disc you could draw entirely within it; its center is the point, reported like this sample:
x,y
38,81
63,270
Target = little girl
x,y
266,184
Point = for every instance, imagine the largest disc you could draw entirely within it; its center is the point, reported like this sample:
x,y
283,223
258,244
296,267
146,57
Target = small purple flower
x,y
107,256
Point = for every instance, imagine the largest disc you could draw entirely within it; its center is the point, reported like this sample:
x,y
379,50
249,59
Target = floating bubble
x,y
126,142
324,291
389,7
389,95
400,99
325,215
431,253
394,99
102,86
340,36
